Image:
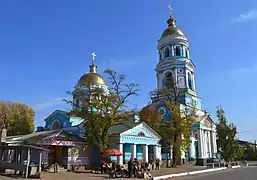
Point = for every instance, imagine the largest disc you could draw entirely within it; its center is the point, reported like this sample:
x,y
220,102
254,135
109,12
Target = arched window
x,y
186,52
178,50
166,52
169,80
56,125
190,81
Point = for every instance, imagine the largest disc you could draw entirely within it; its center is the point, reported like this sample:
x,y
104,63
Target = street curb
x,y
238,166
188,173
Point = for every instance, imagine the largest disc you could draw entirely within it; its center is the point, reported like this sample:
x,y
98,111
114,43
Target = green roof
x,y
123,126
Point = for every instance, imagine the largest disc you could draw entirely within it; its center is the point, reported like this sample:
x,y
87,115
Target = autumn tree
x,y
226,136
101,110
177,130
17,118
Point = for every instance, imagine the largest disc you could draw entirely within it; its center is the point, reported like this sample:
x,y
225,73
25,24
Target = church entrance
x,y
58,154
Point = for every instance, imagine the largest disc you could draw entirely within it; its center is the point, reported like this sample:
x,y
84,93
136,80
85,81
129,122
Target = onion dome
x,y
92,77
172,29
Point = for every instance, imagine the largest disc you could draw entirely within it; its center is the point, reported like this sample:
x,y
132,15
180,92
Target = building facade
x,y
175,67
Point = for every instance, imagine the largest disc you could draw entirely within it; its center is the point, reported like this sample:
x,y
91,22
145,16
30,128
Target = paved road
x,y
244,173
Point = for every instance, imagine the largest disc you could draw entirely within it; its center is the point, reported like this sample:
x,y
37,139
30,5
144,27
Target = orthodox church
x,y
63,133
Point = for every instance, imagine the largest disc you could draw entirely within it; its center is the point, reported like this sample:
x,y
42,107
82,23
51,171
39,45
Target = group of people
x,y
132,168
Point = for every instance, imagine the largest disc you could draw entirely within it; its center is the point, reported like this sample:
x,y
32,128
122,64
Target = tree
x,y
150,116
226,140
177,130
17,118
102,110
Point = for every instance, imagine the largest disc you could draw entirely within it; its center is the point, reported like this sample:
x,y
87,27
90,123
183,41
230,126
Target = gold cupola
x,y
92,77
172,29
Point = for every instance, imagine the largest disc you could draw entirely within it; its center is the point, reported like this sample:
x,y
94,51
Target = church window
x,y
190,81
141,134
56,125
169,80
166,52
186,52
178,50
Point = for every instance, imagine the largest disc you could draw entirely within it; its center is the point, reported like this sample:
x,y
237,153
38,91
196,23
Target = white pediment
x,y
207,122
141,130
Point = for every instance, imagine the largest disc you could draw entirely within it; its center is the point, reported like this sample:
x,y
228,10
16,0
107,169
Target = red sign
x,y
54,142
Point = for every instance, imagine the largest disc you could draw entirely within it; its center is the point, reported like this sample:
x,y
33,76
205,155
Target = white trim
x,y
147,128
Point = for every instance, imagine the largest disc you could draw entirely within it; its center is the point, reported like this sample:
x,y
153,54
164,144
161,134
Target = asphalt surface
x,y
243,173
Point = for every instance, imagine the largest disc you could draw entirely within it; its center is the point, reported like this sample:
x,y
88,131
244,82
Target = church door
x,y
196,150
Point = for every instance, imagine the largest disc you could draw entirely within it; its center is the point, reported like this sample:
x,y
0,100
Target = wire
x,y
247,131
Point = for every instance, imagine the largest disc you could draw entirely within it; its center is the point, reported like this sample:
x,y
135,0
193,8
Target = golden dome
x,y
172,29
92,77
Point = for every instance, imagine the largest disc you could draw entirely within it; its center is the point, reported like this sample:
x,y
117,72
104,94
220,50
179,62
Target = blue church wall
x,y
140,155
167,115
64,120
127,151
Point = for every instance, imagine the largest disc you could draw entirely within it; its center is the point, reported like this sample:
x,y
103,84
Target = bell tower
x,y
175,64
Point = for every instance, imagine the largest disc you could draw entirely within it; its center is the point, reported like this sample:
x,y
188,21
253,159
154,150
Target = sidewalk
x,y
179,169
185,172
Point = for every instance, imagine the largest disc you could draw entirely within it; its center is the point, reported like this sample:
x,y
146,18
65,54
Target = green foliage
x,y
103,110
17,118
226,142
240,153
176,131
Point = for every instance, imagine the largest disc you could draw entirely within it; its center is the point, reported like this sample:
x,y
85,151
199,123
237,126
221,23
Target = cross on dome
x,y
170,8
93,57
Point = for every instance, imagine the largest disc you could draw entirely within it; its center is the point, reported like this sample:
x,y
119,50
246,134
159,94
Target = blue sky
x,y
45,47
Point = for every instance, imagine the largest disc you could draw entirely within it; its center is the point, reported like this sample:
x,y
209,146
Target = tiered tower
x,y
175,65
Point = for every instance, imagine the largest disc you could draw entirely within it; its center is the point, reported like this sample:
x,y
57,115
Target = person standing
x,y
130,167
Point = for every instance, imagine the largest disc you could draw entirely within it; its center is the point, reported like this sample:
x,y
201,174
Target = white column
x,y
134,151
210,143
214,143
146,153
120,158
40,161
204,144
192,148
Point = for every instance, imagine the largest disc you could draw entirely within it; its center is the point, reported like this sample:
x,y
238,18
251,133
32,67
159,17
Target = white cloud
x,y
246,17
49,103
